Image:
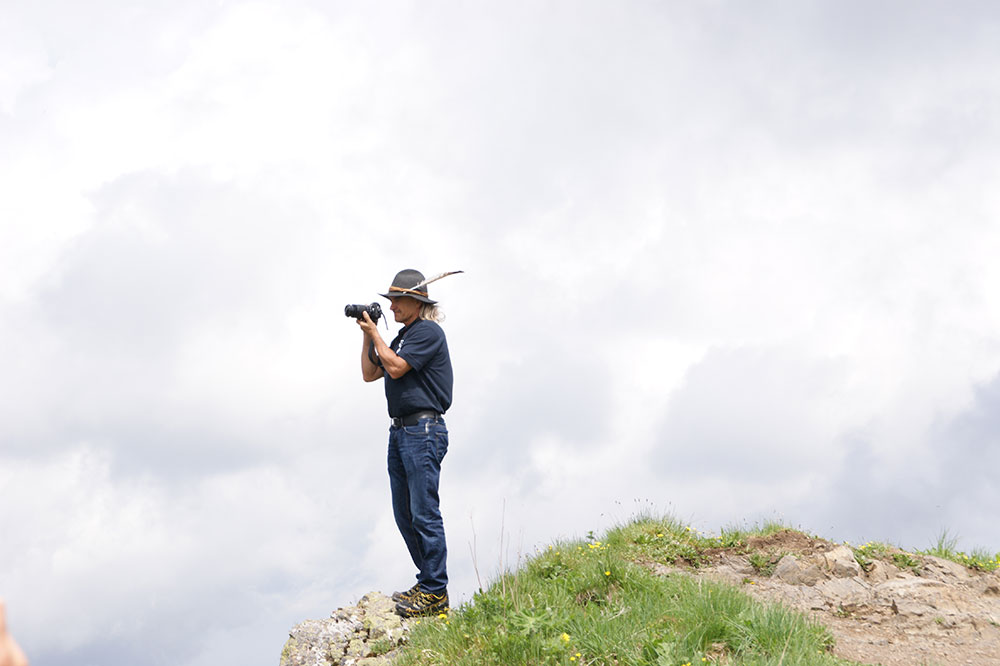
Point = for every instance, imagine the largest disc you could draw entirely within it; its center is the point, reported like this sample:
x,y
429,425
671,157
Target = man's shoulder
x,y
421,334
427,327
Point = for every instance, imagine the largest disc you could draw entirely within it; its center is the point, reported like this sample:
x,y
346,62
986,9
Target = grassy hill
x,y
633,596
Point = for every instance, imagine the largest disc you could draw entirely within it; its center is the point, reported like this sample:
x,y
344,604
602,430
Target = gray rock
x,y
313,642
841,563
944,570
845,591
794,572
730,575
368,634
880,572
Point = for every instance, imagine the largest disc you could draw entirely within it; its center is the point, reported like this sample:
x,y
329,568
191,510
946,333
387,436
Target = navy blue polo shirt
x,y
428,384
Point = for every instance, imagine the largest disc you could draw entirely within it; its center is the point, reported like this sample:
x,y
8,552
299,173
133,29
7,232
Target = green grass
x,y
588,602
979,558
765,563
872,551
883,551
945,548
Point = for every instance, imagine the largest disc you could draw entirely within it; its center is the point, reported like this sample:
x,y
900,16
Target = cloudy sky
x,y
731,261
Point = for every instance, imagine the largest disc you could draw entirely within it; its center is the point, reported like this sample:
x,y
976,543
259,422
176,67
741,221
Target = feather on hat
x,y
410,282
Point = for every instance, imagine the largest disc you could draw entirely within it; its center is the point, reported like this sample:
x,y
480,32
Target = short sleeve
x,y
421,344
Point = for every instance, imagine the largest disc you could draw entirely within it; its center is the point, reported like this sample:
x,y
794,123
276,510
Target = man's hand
x,y
368,326
393,365
10,653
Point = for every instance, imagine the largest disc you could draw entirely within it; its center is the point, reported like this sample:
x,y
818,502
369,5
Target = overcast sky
x,y
731,261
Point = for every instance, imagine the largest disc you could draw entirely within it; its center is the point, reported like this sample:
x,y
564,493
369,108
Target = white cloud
x,y
108,558
725,262
23,61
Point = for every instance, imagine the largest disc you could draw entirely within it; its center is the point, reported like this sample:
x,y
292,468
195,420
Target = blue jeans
x,y
415,455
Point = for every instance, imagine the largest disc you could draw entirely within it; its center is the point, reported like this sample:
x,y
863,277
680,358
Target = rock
x,y
943,570
310,642
846,592
739,565
730,575
793,572
357,647
381,620
368,634
880,572
910,586
841,563
389,626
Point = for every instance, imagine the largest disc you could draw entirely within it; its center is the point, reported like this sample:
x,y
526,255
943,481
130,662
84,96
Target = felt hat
x,y
409,282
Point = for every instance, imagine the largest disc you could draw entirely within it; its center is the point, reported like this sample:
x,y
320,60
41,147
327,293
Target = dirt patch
x,y
789,541
782,542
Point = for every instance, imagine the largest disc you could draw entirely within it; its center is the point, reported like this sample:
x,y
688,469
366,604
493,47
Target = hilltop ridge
x,y
871,604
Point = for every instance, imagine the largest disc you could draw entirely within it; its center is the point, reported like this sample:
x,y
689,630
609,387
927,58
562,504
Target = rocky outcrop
x,y
931,610
367,634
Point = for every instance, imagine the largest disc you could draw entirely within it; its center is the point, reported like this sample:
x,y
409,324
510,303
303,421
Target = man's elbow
x,y
397,371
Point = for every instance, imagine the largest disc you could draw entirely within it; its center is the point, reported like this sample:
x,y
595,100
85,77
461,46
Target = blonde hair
x,y
432,312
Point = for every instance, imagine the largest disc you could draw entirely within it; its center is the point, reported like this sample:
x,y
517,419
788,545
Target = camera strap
x,y
372,356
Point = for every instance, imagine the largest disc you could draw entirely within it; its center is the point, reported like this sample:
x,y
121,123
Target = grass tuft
x,y
946,548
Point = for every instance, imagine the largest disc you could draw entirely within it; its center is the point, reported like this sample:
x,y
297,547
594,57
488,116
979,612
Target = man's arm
x,y
393,364
369,371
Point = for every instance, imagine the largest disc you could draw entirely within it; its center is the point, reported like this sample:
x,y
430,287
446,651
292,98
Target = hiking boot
x,y
407,595
423,603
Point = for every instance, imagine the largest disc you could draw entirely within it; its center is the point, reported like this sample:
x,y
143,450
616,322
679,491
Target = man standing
x,y
416,368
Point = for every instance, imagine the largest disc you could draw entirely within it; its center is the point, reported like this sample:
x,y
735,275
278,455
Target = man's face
x,y
405,309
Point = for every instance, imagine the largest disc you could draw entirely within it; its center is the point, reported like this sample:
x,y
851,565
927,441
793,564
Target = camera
x,y
374,311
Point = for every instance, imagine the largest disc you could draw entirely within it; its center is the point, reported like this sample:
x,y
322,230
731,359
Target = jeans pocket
x,y
440,441
415,430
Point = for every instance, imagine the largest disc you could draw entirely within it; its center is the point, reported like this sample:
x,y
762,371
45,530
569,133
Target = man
x,y
416,369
